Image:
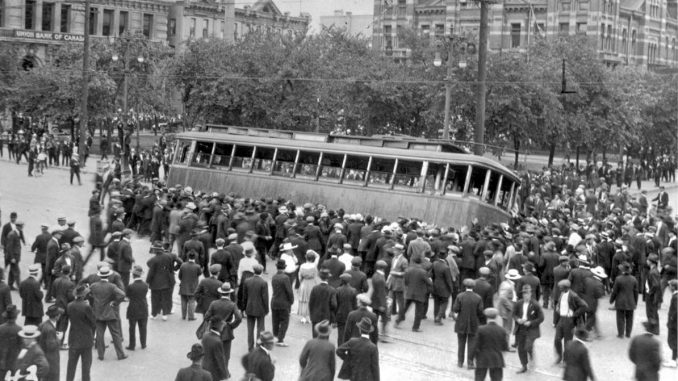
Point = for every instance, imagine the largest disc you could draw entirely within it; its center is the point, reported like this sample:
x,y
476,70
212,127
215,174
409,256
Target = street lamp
x,y
461,63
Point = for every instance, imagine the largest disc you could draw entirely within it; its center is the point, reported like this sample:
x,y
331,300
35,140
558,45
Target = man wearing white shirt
x,y
346,257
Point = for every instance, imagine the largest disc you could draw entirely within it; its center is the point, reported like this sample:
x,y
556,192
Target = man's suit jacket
x,y
336,268
354,318
214,360
358,280
535,315
39,247
13,246
63,291
469,309
346,302
417,283
396,280
104,294
195,245
227,311
361,360
137,309
255,296
125,258
442,279
577,362
322,303
189,274
317,361
83,324
624,292
490,343
378,292
33,356
283,296
259,363
194,372
207,292
484,289
10,345
31,298
532,281
160,272
645,353
5,299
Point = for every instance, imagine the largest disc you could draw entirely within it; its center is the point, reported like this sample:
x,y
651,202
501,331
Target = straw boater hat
x,y
512,274
225,288
599,272
29,332
287,246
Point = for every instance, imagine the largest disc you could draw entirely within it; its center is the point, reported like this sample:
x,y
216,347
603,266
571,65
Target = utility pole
x,y
448,92
479,137
85,86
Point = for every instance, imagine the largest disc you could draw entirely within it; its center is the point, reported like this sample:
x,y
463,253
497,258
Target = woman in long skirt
x,y
308,274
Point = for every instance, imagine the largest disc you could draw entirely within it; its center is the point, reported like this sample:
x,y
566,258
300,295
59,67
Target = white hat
x,y
512,274
287,246
599,272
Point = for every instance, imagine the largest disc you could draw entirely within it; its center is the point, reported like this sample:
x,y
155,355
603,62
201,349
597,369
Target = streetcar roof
x,y
356,149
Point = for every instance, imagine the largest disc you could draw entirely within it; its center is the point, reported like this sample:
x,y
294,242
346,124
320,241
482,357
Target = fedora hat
x,y
54,310
196,352
29,332
225,288
322,328
365,325
599,272
512,274
81,291
104,272
266,337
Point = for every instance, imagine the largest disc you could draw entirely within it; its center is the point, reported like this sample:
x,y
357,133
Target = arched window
x,y
633,43
602,36
608,41
625,48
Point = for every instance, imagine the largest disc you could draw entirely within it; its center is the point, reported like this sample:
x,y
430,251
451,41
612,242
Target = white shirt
x,y
563,306
346,259
526,304
290,262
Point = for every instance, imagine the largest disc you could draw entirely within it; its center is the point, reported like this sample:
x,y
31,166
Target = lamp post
x,y
461,63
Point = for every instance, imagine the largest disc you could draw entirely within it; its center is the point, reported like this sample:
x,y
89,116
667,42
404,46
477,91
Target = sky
x,y
319,8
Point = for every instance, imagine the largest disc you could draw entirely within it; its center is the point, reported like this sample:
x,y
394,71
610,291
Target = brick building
x,y
638,32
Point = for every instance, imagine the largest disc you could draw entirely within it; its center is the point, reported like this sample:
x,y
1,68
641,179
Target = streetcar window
x,y
356,169
434,178
475,187
308,164
203,151
284,162
330,167
222,156
243,157
456,176
381,172
263,159
505,193
408,175
492,187
182,152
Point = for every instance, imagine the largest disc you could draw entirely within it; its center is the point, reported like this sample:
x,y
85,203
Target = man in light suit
x,y
528,316
255,300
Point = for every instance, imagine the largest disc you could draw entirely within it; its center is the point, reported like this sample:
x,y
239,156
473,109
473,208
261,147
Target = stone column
x,y
37,15
56,17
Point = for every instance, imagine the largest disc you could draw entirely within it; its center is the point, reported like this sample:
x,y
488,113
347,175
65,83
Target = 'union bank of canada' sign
x,y
48,36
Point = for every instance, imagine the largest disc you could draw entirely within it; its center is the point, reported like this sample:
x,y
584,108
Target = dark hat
x,y
580,332
265,337
365,325
528,266
357,261
625,267
322,329
280,265
137,270
324,274
215,269
81,291
651,326
57,232
196,352
66,269
11,312
563,258
225,288
345,277
491,313
381,264
54,310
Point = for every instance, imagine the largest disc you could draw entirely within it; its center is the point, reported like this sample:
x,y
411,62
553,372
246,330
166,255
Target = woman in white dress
x,y
308,274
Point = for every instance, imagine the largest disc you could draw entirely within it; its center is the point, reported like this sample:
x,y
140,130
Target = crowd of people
x,y
571,244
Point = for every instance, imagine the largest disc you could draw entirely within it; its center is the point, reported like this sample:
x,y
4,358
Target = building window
x,y
205,28
47,16
581,28
565,6
93,20
29,14
148,25
515,35
633,42
123,22
425,30
675,58
388,39
564,28
191,29
65,18
172,27
608,38
222,28
667,48
540,30
440,30
602,36
625,47
235,31
583,5
107,27
2,13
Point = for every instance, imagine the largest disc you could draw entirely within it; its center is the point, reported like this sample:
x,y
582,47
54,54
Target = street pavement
x,y
430,355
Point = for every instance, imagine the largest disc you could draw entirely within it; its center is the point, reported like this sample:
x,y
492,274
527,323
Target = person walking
x,y
346,302
528,316
569,308
281,302
308,277
467,309
672,324
417,283
653,291
443,287
189,274
645,353
322,302
356,316
160,280
396,281
506,299
255,299
208,289
215,360
81,334
50,341
75,167
13,245
63,293
106,298
593,291
31,297
31,355
318,359
195,372
360,356
229,318
10,342
490,344
576,358
624,297
258,362
137,309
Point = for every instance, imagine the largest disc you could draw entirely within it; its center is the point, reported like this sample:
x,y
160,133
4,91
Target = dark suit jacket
x,y
577,362
417,283
322,303
645,353
593,290
105,295
535,315
255,296
83,324
469,309
214,360
31,298
34,356
63,291
491,341
361,360
442,279
13,246
317,361
137,308
336,268
207,292
358,280
5,299
283,296
189,274
378,292
577,277
533,281
227,311
193,373
484,289
624,292
10,345
354,318
39,247
259,363
126,258
160,272
346,302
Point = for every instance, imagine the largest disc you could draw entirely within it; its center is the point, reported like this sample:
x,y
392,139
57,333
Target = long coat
x,y
10,345
577,362
442,279
624,292
490,344
259,363
31,298
354,318
322,303
283,296
317,361
160,272
5,299
137,309
214,360
417,283
469,309
206,293
104,295
255,296
189,274
361,360
226,310
83,324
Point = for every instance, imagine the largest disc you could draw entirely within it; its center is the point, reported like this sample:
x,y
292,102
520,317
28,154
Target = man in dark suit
x,y
31,297
258,361
645,353
195,372
569,308
672,323
255,299
50,341
107,297
335,266
624,296
215,360
356,316
10,342
416,282
577,361
5,296
530,279
490,344
322,303
13,254
228,317
137,309
281,302
317,359
208,289
528,316
63,292
39,246
31,354
653,290
160,280
360,356
81,335
358,278
346,302
662,199
125,258
379,291
442,286
484,289
549,260
53,248
467,309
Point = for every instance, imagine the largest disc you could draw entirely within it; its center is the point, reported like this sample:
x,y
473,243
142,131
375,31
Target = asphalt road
x,y
430,355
